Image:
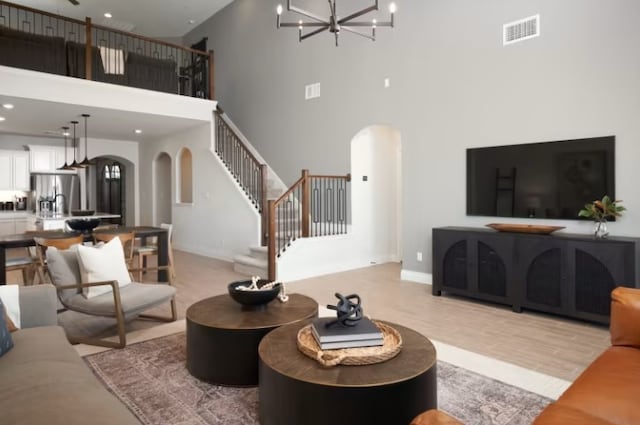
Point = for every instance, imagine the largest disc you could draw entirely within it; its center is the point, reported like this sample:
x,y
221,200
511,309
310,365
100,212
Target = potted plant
x,y
599,211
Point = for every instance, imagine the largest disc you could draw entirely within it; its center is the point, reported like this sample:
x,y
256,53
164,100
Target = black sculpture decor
x,y
349,312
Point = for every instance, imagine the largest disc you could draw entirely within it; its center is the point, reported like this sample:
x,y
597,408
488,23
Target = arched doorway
x,y
110,194
185,176
162,189
377,191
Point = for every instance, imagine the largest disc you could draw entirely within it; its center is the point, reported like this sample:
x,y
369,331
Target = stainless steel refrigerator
x,y
53,194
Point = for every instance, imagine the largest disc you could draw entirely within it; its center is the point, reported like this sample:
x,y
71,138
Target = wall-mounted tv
x,y
540,180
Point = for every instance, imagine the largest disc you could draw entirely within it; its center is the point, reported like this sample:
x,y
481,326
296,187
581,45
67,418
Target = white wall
x,y
220,222
374,236
453,86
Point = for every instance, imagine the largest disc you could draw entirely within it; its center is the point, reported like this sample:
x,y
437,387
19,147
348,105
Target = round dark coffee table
x,y
295,389
223,336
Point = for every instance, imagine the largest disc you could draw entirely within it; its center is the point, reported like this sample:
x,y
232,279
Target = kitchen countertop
x,y
69,216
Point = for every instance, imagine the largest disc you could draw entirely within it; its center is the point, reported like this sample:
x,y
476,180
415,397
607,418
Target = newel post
x,y
212,75
88,66
271,240
306,201
263,205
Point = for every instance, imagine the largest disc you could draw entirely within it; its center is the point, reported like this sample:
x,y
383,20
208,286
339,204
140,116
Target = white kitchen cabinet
x,y
14,170
7,227
21,171
47,159
22,225
6,170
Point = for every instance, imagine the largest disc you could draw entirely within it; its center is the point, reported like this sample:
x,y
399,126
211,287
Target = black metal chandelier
x,y
335,24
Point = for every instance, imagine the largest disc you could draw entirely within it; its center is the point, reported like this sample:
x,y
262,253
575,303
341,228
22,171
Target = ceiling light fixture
x,y
74,164
85,162
2,119
192,21
137,131
65,133
108,15
7,106
335,24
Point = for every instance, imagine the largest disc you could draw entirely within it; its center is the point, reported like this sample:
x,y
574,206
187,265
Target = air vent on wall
x,y
523,29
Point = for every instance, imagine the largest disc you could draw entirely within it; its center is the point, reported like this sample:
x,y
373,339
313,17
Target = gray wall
x,y
453,86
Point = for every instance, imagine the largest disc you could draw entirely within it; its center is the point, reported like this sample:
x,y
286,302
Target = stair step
x,y
259,252
251,266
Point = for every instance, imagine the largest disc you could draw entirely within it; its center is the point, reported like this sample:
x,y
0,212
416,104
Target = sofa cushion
x,y
558,414
6,342
609,388
45,381
135,298
103,263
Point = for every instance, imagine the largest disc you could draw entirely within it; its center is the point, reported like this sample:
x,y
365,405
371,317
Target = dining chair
x,y
27,264
127,239
123,302
142,252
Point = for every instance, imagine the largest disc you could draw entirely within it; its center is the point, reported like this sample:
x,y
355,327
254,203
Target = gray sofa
x,y
42,378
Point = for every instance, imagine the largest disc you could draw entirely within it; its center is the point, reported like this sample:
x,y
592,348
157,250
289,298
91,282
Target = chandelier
x,y
334,24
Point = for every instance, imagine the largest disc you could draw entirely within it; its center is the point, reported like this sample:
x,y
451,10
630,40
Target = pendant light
x,y
85,162
65,132
74,164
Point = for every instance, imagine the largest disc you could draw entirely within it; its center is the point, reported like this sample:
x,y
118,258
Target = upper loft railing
x,y
45,42
314,206
250,173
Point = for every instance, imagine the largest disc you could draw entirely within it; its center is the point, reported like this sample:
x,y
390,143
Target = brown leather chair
x,y
608,391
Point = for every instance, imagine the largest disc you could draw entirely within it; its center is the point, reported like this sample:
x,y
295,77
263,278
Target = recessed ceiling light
x,y
192,21
137,131
7,106
2,119
108,15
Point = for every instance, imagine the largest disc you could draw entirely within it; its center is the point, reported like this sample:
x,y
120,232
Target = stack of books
x,y
364,334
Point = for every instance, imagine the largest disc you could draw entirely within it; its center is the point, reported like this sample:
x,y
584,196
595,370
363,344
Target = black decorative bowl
x,y
84,225
253,298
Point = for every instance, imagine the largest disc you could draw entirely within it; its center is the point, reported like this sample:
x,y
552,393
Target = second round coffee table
x,y
295,389
223,338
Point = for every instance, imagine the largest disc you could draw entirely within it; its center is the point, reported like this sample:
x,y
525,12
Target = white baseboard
x,y
202,252
413,276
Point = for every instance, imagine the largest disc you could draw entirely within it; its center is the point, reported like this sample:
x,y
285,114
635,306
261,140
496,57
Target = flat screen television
x,y
540,180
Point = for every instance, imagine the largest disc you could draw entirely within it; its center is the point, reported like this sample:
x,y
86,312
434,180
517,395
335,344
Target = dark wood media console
x,y
564,274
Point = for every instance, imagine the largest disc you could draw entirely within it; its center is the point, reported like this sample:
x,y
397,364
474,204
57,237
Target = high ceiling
x,y
151,18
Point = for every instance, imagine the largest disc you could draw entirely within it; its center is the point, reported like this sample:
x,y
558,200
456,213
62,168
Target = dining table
x,y
24,240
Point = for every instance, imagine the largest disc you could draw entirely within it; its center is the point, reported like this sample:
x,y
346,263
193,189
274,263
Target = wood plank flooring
x,y
544,343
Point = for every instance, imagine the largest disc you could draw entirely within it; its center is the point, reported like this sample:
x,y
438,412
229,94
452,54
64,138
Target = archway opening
x,y
185,176
376,161
162,189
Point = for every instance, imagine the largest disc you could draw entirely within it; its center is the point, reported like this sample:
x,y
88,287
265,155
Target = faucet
x,y
55,202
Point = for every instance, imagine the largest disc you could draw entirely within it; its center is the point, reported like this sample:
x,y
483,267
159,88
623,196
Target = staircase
x,y
314,206
256,262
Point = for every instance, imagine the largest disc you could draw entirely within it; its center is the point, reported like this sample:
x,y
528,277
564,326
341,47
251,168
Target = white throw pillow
x,y
10,295
98,264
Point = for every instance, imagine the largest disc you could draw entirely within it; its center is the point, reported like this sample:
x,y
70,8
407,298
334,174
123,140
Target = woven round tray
x,y
351,356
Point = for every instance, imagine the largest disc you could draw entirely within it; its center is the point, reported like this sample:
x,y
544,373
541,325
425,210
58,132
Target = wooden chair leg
x,y
140,266
172,318
25,276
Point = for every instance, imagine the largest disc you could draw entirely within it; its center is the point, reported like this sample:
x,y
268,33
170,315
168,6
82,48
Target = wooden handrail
x,y
233,153
291,215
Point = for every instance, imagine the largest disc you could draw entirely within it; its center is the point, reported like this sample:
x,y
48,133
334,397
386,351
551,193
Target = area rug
x,y
152,380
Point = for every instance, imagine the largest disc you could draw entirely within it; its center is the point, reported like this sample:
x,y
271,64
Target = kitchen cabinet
x,y
14,170
12,224
47,159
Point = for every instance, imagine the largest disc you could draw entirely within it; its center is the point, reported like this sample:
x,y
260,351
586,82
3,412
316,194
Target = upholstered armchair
x,y
95,281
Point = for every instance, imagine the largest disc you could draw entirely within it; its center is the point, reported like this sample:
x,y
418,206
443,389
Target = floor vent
x,y
520,30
